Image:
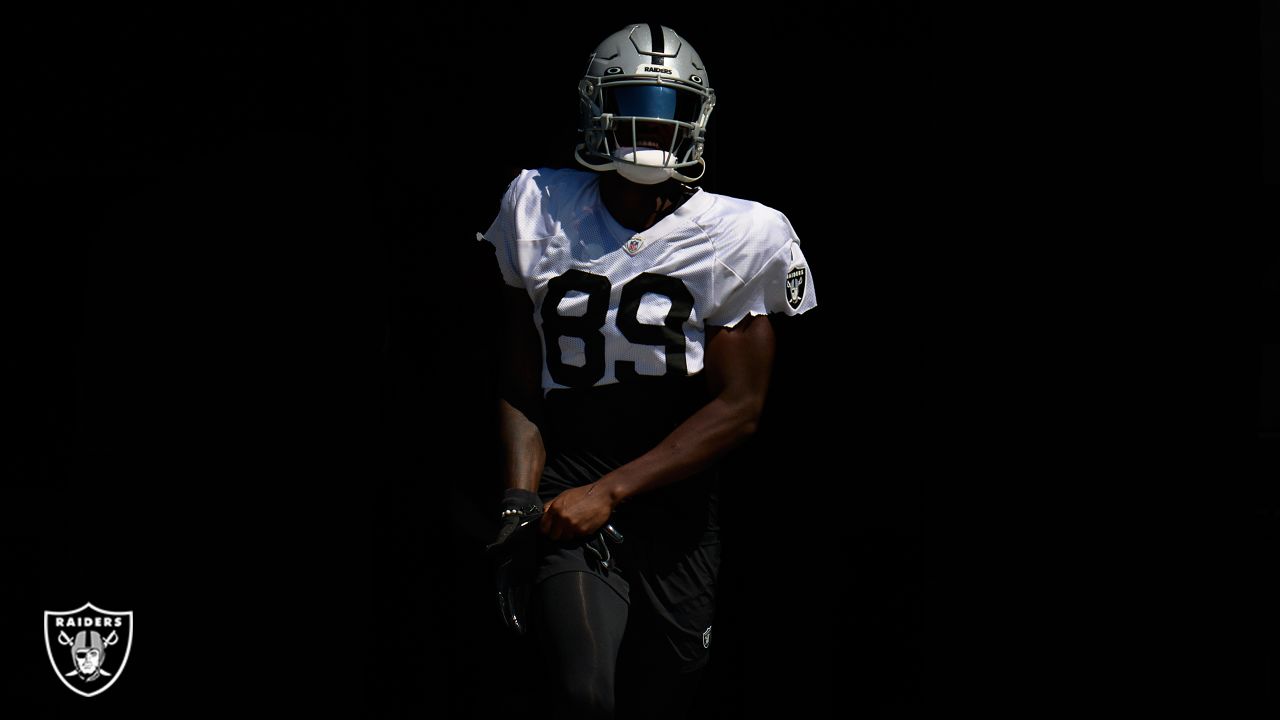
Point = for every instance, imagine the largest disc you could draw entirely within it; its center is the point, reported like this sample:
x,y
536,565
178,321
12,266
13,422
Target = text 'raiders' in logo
x,y
795,286
88,646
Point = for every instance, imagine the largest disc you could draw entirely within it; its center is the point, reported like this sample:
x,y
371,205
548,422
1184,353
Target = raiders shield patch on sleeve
x,y
795,286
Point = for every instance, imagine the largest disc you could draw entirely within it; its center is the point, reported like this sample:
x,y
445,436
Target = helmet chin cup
x,y
641,175
635,171
643,166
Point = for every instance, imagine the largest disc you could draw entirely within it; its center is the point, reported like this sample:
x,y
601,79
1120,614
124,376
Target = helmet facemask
x,y
646,128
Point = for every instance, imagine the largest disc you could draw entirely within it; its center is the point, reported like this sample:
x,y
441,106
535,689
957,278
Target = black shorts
x,y
669,590
666,567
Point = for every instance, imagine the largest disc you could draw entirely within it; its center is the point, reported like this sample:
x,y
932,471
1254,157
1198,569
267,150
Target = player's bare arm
x,y
520,402
738,365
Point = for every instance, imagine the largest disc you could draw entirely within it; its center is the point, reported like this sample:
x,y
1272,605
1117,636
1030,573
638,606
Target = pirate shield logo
x,y
88,647
795,286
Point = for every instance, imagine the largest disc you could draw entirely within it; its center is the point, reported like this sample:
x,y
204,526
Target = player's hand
x,y
513,557
576,513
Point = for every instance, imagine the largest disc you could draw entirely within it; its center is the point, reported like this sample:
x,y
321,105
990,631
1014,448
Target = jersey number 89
x,y
670,334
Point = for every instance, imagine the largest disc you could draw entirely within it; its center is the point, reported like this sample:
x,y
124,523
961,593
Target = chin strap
x,y
605,167
685,178
598,168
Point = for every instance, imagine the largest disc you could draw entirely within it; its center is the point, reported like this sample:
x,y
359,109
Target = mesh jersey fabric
x,y
612,305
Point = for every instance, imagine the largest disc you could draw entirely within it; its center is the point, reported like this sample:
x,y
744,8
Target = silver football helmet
x,y
645,101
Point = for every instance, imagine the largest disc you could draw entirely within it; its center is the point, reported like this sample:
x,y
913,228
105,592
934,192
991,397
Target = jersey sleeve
x,y
765,275
503,233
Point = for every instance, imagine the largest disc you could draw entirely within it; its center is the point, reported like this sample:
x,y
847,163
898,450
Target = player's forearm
x,y
522,444
695,444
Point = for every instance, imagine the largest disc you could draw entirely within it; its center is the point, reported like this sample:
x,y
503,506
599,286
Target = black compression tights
x,y
581,622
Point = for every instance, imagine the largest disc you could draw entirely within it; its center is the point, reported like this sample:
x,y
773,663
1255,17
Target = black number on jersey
x,y
670,334
586,326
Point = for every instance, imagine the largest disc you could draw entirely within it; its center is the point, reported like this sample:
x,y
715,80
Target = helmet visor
x,y
646,101
654,101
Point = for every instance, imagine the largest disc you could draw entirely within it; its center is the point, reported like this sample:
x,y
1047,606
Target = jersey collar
x,y
663,227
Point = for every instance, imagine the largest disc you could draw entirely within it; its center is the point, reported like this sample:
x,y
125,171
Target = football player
x,y
637,353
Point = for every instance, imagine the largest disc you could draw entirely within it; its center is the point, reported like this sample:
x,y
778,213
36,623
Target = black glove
x,y
513,555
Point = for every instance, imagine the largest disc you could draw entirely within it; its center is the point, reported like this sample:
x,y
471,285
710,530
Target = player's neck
x,y
640,207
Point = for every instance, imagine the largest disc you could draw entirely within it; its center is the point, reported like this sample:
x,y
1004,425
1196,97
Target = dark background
x,y
249,327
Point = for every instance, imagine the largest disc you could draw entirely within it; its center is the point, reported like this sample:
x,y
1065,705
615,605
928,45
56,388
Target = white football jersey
x,y
612,304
